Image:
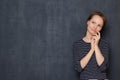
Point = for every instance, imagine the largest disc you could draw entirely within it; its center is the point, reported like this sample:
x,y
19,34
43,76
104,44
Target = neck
x,y
87,37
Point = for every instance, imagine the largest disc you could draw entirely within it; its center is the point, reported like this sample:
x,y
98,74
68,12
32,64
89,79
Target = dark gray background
x,y
36,37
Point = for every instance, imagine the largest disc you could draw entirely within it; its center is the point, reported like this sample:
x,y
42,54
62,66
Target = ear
x,y
88,22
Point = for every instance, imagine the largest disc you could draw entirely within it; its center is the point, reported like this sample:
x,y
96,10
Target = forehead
x,y
97,18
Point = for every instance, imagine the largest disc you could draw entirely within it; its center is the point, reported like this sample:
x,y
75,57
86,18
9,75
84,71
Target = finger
x,y
98,33
93,37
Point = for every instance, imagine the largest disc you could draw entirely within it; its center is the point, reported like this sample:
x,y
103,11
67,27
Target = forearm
x,y
99,56
84,61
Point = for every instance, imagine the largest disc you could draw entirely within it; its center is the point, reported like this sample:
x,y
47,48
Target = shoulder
x,y
81,44
104,42
78,42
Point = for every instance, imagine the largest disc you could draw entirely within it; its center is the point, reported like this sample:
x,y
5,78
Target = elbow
x,y
101,61
82,65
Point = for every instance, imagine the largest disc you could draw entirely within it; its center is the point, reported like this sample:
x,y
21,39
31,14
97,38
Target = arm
x,y
104,48
84,61
99,56
98,53
77,56
81,59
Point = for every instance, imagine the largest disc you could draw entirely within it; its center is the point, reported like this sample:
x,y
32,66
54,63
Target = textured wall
x,y
36,37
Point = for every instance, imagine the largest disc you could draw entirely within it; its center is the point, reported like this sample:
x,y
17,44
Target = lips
x,y
94,30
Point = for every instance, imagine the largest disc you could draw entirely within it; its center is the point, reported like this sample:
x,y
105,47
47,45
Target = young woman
x,y
91,52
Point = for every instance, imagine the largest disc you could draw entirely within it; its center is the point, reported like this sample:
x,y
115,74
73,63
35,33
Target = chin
x,y
93,33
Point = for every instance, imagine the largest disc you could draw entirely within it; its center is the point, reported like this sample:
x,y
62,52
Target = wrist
x,y
92,49
96,46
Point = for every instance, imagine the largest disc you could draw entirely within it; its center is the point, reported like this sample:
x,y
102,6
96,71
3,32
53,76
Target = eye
x,y
99,26
93,22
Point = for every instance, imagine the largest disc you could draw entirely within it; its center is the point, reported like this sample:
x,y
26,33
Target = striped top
x,y
92,70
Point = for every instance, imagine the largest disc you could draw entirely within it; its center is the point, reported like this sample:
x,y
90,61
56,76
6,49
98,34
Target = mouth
x,y
94,31
93,35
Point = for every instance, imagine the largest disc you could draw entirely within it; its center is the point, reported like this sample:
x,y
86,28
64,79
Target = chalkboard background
x,y
36,37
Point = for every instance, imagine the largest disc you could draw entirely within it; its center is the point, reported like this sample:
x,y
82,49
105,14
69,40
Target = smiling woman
x,y
91,52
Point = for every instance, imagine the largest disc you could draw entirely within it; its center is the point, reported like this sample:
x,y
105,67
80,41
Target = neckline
x,y
85,41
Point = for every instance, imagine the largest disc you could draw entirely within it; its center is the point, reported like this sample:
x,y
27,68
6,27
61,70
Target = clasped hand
x,y
95,40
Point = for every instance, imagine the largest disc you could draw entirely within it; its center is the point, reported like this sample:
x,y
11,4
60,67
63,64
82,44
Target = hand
x,y
93,43
95,40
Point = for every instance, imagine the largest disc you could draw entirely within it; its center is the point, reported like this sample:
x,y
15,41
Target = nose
x,y
95,26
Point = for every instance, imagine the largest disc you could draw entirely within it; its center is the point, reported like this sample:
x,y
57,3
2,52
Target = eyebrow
x,y
95,22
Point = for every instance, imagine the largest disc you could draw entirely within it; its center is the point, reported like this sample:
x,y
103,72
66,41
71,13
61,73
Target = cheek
x,y
99,29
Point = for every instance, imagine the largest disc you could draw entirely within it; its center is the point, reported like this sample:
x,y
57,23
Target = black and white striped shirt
x,y
92,70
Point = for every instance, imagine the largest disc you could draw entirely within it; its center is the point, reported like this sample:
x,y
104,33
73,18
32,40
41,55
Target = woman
x,y
91,52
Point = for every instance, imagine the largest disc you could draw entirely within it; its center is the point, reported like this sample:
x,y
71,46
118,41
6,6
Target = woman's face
x,y
95,24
